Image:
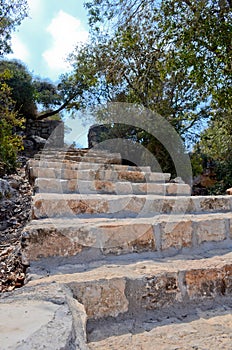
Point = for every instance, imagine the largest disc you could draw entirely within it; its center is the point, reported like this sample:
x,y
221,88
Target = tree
x,y
34,98
11,15
20,82
10,143
46,94
128,64
196,35
215,147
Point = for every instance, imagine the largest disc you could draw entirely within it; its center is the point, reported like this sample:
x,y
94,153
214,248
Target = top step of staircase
x,y
79,155
72,165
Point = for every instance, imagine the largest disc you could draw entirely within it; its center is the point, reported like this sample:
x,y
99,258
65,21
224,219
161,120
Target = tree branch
x,y
56,111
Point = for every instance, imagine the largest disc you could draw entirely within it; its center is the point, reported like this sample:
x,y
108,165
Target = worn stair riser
x,y
65,238
91,187
71,205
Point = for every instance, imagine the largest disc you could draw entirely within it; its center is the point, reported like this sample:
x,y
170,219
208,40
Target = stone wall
x,y
98,133
47,129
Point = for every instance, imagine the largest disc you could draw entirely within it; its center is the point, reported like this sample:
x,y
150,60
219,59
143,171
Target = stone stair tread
x,y
74,222
80,158
47,151
55,204
126,286
78,196
47,185
55,163
199,328
99,174
159,234
127,267
76,151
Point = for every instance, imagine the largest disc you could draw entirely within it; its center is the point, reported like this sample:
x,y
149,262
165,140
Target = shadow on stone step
x,y
138,323
91,258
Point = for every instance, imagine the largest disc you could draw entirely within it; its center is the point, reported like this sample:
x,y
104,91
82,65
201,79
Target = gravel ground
x,y
15,210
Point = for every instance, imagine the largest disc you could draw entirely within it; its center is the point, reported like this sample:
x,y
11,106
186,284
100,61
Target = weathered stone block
x,y
176,235
230,228
101,298
210,230
153,292
123,188
216,203
45,243
205,283
178,189
126,238
149,188
158,177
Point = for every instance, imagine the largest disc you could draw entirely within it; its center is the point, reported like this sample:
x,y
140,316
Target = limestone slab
x,y
71,238
83,165
68,237
61,205
32,324
210,230
97,174
101,299
176,235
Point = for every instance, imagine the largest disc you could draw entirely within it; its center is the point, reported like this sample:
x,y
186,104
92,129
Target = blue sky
x,y
46,37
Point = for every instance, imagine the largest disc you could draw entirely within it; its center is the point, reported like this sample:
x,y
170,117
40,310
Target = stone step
x,y
127,287
65,164
88,159
164,234
205,326
71,205
42,318
78,152
45,185
96,174
81,151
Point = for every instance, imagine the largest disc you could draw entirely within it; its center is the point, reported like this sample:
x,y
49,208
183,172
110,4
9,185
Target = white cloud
x,y
20,50
35,7
66,32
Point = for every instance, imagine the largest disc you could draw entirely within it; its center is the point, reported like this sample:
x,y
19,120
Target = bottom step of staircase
x,y
131,286
205,327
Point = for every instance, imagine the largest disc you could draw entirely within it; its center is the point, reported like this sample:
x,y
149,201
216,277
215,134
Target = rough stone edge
x,y
76,340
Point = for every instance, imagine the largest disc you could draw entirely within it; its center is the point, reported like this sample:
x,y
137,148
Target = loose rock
x,y
15,210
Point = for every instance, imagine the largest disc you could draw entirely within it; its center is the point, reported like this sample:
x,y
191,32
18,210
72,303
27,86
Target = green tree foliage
x,y
11,15
129,68
215,146
34,98
10,143
171,56
20,82
194,37
46,94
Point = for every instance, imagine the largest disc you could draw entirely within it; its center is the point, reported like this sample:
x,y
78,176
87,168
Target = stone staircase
x,y
125,255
